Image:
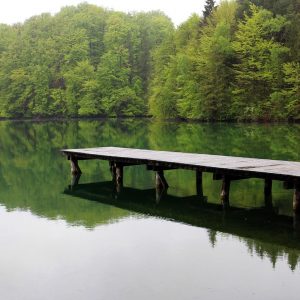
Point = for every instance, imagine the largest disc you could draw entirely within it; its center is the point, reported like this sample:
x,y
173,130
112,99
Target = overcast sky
x,y
13,11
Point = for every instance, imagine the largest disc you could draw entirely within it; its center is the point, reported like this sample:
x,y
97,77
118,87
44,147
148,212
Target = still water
x,y
58,242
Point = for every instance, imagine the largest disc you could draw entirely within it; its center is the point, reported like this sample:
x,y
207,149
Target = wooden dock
x,y
225,168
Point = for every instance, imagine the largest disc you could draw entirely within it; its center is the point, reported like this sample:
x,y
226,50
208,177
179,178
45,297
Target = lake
x,y
87,242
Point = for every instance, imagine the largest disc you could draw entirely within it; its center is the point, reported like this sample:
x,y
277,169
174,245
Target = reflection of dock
x,y
225,168
263,227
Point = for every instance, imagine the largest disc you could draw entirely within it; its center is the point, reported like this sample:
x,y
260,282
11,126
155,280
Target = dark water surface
x,y
86,243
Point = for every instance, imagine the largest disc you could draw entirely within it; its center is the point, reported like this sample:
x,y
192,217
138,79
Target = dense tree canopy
x,y
239,61
83,61
242,63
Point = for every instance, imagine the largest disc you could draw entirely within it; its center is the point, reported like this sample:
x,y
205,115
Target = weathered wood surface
x,y
230,165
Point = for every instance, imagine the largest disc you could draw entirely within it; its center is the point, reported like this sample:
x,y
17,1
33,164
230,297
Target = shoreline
x,y
119,118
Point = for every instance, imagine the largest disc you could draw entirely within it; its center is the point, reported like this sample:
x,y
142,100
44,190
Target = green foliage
x,y
84,61
195,82
162,101
215,64
79,82
238,62
290,96
258,70
233,65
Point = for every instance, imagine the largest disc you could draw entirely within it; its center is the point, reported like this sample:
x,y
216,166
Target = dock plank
x,y
277,169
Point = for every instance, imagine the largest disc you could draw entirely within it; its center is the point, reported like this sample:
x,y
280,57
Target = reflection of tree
x,y
293,259
267,236
277,141
33,174
212,235
267,250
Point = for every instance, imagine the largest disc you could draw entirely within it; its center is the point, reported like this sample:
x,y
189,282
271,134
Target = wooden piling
x,y
199,184
75,169
119,174
116,170
159,193
296,199
225,191
161,185
268,193
161,180
112,167
74,181
296,222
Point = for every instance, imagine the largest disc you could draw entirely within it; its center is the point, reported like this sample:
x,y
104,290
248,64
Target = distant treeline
x,y
239,61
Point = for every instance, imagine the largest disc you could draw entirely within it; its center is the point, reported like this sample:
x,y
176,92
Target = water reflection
x,y
33,175
261,230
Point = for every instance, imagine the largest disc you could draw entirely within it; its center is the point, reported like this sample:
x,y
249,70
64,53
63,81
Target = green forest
x,y
239,61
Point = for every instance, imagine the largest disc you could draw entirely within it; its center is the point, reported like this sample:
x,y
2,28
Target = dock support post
x,y
161,185
296,199
74,181
161,180
119,174
75,169
268,193
225,191
160,192
116,170
199,185
112,168
296,222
